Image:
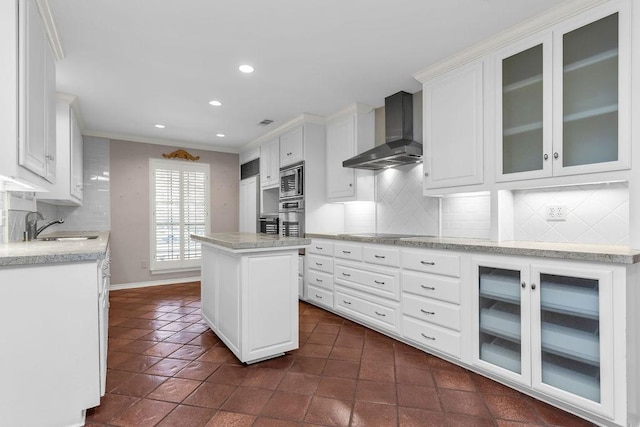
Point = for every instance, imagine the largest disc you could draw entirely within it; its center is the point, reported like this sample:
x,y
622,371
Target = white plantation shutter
x,y
179,207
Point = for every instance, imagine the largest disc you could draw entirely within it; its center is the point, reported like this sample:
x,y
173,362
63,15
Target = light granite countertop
x,y
569,251
48,252
247,241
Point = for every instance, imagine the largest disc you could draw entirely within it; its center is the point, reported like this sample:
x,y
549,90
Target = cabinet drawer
x,y
431,286
320,296
320,263
431,262
323,280
383,255
369,310
377,281
347,251
321,248
432,311
431,336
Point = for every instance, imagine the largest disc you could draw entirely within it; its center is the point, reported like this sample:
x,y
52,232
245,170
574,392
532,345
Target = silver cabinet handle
x,y
427,312
346,252
346,274
431,288
427,263
378,282
319,280
556,155
380,314
318,296
533,286
317,247
346,302
380,256
427,337
319,264
523,284
546,157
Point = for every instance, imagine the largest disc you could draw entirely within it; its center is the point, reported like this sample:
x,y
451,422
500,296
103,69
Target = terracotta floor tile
x,y
158,335
376,392
377,372
230,419
187,416
306,327
145,413
414,376
175,326
167,367
349,341
114,358
216,354
197,328
488,386
174,390
459,420
453,380
553,416
161,349
329,412
262,378
308,365
282,363
346,353
136,346
205,340
274,422
198,370
315,350
228,374
299,383
247,400
287,406
111,406
385,356
139,385
323,339
115,379
510,408
337,388
411,360
210,395
366,414
327,329
463,402
188,352
419,397
411,417
505,423
137,363
342,369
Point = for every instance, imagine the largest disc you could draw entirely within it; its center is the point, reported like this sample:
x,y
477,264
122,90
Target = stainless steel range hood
x,y
400,148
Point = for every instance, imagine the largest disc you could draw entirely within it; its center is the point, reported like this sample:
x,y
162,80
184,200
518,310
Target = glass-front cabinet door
x,y
501,340
571,332
524,106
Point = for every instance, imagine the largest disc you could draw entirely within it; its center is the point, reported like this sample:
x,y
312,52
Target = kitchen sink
x,y
68,238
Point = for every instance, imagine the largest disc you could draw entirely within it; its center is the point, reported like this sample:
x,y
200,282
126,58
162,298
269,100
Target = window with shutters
x,y
179,193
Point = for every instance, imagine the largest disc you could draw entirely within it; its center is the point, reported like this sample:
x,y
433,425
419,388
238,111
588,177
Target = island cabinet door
x,y
227,304
270,315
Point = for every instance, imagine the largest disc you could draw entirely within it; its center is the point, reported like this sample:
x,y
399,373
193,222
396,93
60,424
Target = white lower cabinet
x,y
368,309
318,278
548,326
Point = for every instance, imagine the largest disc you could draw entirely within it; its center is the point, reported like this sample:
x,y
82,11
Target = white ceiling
x,y
135,63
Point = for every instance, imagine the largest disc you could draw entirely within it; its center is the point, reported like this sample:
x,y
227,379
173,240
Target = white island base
x,y
250,299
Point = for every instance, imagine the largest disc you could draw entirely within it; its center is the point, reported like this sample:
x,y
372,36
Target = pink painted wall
x,y
130,205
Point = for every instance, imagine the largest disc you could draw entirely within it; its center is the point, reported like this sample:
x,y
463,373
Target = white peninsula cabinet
x,y
563,99
250,292
453,128
349,132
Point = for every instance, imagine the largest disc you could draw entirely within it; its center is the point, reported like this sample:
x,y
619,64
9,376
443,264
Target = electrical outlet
x,y
556,213
145,264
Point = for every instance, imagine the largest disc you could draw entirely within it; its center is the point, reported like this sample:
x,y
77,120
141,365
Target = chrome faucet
x,y
31,225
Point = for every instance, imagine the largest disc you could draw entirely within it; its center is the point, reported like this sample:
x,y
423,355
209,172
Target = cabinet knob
x,y
546,157
533,286
426,174
556,155
524,285
350,185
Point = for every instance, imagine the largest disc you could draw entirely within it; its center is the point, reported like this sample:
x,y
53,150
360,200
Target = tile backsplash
x,y
597,213
467,216
401,207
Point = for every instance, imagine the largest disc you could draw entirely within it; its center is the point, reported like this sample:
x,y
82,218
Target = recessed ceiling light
x,y
215,103
159,126
246,68
220,135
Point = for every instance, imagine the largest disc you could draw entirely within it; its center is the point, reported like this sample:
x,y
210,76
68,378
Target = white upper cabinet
x,y
68,188
563,100
291,147
349,132
37,77
453,128
269,163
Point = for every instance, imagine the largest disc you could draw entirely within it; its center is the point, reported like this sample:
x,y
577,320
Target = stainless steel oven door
x,y
292,223
291,182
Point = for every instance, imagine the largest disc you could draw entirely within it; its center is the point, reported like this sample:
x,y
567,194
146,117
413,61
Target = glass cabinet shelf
x,y
594,112
500,322
585,384
581,302
591,60
501,353
522,84
498,287
529,127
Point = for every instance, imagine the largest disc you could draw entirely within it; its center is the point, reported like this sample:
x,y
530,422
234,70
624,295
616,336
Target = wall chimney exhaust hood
x,y
400,148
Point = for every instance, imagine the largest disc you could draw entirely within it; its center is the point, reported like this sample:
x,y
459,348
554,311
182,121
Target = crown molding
x,y
50,28
296,121
355,108
520,31
159,141
74,103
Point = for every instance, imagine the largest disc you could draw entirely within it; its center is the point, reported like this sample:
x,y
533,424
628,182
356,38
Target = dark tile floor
x,y
166,368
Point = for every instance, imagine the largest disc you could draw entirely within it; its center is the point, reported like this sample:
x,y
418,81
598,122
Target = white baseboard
x,y
119,286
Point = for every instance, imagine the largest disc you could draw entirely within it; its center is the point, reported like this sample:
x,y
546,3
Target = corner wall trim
x,y
153,283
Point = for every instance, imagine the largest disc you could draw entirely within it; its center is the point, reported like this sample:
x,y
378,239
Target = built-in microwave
x,y
292,181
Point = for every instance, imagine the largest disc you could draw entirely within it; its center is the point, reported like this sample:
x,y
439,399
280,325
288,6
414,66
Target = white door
x,y
248,205
340,147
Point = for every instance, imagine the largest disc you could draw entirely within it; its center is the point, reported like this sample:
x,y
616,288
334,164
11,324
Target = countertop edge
x,y
249,241
594,253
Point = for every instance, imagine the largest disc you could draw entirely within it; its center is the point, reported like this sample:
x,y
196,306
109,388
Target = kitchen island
x,y
250,292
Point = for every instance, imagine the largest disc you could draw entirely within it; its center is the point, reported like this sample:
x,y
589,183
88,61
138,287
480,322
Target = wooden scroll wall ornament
x,y
180,154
